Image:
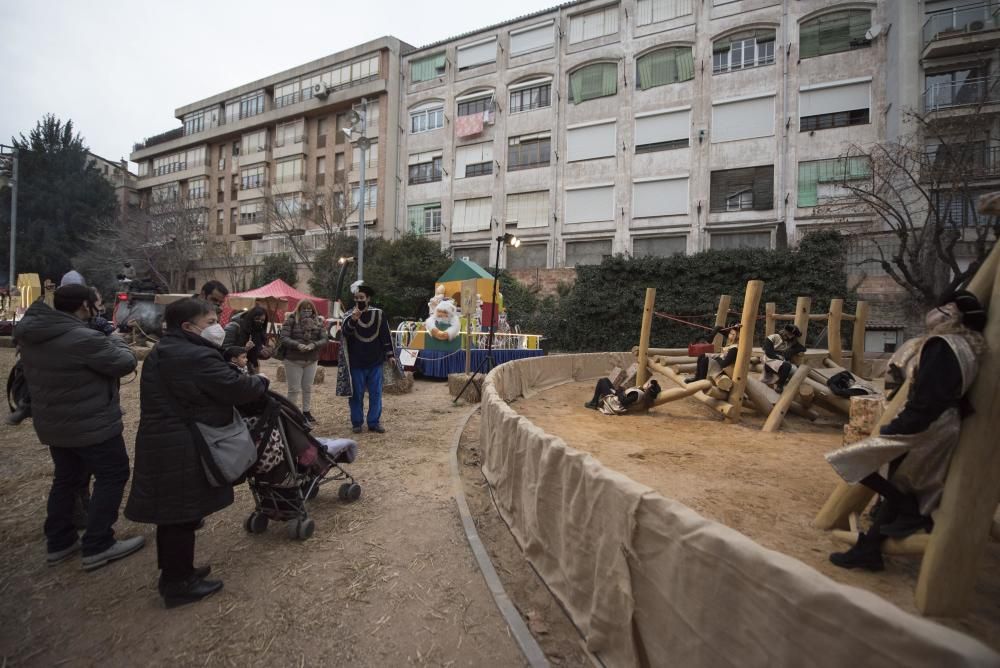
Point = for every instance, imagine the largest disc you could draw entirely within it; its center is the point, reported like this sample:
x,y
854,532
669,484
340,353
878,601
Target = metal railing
x,y
297,139
971,91
965,162
960,20
161,138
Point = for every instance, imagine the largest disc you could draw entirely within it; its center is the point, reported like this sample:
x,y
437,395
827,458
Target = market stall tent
x,y
277,297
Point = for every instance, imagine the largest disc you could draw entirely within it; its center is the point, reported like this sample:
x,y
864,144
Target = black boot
x,y
908,520
200,572
188,591
590,404
866,554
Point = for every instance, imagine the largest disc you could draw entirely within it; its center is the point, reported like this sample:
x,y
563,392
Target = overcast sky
x,y
119,68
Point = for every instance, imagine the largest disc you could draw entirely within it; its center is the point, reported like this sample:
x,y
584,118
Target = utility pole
x,y
13,213
362,192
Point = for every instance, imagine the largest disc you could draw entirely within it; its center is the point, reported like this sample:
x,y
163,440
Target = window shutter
x,y
763,188
471,155
743,119
589,142
808,178
732,240
660,128
588,205
471,215
658,246
528,210
835,98
532,39
587,252
477,54
660,198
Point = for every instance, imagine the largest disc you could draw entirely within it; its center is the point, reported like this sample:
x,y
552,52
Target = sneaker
x,y
191,590
377,428
356,430
121,548
56,558
309,417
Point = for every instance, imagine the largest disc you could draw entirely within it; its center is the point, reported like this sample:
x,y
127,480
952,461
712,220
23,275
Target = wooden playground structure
x,y
963,522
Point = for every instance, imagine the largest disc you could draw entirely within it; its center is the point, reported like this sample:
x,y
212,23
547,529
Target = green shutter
x,y
808,176
685,64
609,82
427,68
593,81
809,39
666,66
833,33
415,218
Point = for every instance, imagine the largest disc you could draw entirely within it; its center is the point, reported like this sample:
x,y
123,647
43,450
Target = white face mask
x,y
214,334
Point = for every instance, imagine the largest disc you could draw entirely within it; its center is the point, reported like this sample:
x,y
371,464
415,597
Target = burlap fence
x,y
650,582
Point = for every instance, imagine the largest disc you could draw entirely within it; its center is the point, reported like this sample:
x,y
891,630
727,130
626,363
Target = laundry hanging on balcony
x,y
471,125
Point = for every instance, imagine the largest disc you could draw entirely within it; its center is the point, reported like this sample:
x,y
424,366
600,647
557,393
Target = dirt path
x,y
386,581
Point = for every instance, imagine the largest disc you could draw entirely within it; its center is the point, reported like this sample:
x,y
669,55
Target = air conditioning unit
x,y
320,90
976,26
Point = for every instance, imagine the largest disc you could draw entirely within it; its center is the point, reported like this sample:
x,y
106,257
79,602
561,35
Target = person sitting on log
x,y
612,400
779,351
715,365
917,444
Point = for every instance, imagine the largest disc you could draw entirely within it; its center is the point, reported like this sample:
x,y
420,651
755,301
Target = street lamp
x,y
8,155
360,119
344,262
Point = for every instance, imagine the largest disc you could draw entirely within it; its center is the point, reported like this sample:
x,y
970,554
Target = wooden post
x,y
858,340
720,320
962,523
468,344
769,310
833,342
802,306
751,303
647,325
675,393
791,391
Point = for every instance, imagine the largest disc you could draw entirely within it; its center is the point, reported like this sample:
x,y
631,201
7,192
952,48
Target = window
x,y
236,149
733,240
476,105
530,95
179,161
321,171
251,105
659,246
743,119
654,11
194,122
528,151
661,131
665,66
834,105
478,254
593,24
743,50
473,160
593,81
590,205
254,143
427,118
290,133
533,38
321,124
528,256
957,88
371,157
169,192
371,194
834,32
471,215
288,206
236,183
253,177
528,210
590,141
424,168
338,162
251,213
660,197
427,68
287,171
222,184
740,189
424,218
824,175
197,188
479,53
587,252
234,217
959,209
220,222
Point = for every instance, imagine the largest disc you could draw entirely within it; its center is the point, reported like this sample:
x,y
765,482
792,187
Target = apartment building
x,y
265,164
122,179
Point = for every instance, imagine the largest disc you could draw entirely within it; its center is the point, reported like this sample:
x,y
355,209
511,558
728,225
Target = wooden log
x,y
723,382
769,309
834,343
675,393
679,352
802,307
963,521
803,411
909,546
777,414
806,395
723,407
684,368
826,397
720,320
670,360
762,396
647,325
751,304
717,393
858,340
846,499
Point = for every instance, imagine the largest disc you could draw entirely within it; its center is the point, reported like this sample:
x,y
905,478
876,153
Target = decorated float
x,y
455,336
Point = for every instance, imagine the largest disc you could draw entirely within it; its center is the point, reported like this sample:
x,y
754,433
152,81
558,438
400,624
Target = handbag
x,y
227,452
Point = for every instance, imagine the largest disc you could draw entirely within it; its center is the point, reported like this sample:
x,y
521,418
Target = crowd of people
x,y
72,362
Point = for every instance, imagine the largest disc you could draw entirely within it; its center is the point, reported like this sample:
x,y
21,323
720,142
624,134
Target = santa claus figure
x,y
438,297
443,324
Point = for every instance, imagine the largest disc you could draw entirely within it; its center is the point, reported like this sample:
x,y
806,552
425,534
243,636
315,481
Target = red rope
x,y
667,316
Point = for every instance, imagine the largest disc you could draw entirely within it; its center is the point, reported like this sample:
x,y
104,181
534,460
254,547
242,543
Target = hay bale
x,y
473,394
852,434
865,412
403,386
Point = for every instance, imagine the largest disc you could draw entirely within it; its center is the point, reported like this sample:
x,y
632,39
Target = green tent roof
x,y
462,270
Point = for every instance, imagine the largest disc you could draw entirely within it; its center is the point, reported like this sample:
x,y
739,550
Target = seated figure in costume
x,y
779,351
443,323
612,400
917,444
714,365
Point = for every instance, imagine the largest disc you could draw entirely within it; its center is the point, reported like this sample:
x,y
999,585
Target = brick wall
x,y
547,280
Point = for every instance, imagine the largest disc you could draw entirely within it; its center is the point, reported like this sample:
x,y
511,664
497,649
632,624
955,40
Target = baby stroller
x,y
291,466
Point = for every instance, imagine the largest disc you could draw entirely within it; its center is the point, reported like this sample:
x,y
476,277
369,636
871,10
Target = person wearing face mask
x,y
365,345
72,373
917,444
185,380
303,336
248,330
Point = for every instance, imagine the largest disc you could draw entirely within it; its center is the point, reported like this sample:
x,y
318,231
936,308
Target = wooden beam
x,y
791,391
723,407
751,304
670,360
833,340
825,397
720,320
647,325
762,396
678,352
858,340
963,521
769,309
675,393
802,307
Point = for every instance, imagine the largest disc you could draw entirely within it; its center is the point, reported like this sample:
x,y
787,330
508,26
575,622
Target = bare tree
x,y
239,266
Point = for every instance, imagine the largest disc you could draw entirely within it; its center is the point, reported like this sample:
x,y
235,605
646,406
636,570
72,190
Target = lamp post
x,y
363,143
12,159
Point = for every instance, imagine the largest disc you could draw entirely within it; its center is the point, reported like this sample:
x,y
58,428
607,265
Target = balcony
x,y
970,92
289,184
251,227
969,28
253,187
965,163
290,146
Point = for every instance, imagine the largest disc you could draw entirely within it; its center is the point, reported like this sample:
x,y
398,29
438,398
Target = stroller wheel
x,y
256,523
301,529
349,491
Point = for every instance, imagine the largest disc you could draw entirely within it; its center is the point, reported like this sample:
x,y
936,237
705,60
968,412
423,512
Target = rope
x,y
667,316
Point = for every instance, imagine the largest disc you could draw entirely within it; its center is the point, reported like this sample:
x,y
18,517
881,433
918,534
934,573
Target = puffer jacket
x,y
296,330
72,373
168,480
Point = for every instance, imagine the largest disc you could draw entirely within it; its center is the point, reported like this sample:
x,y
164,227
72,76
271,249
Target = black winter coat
x,y
168,481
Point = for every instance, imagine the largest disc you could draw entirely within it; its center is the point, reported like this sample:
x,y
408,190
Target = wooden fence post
x,y
858,340
720,320
833,342
802,306
769,310
647,325
751,303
